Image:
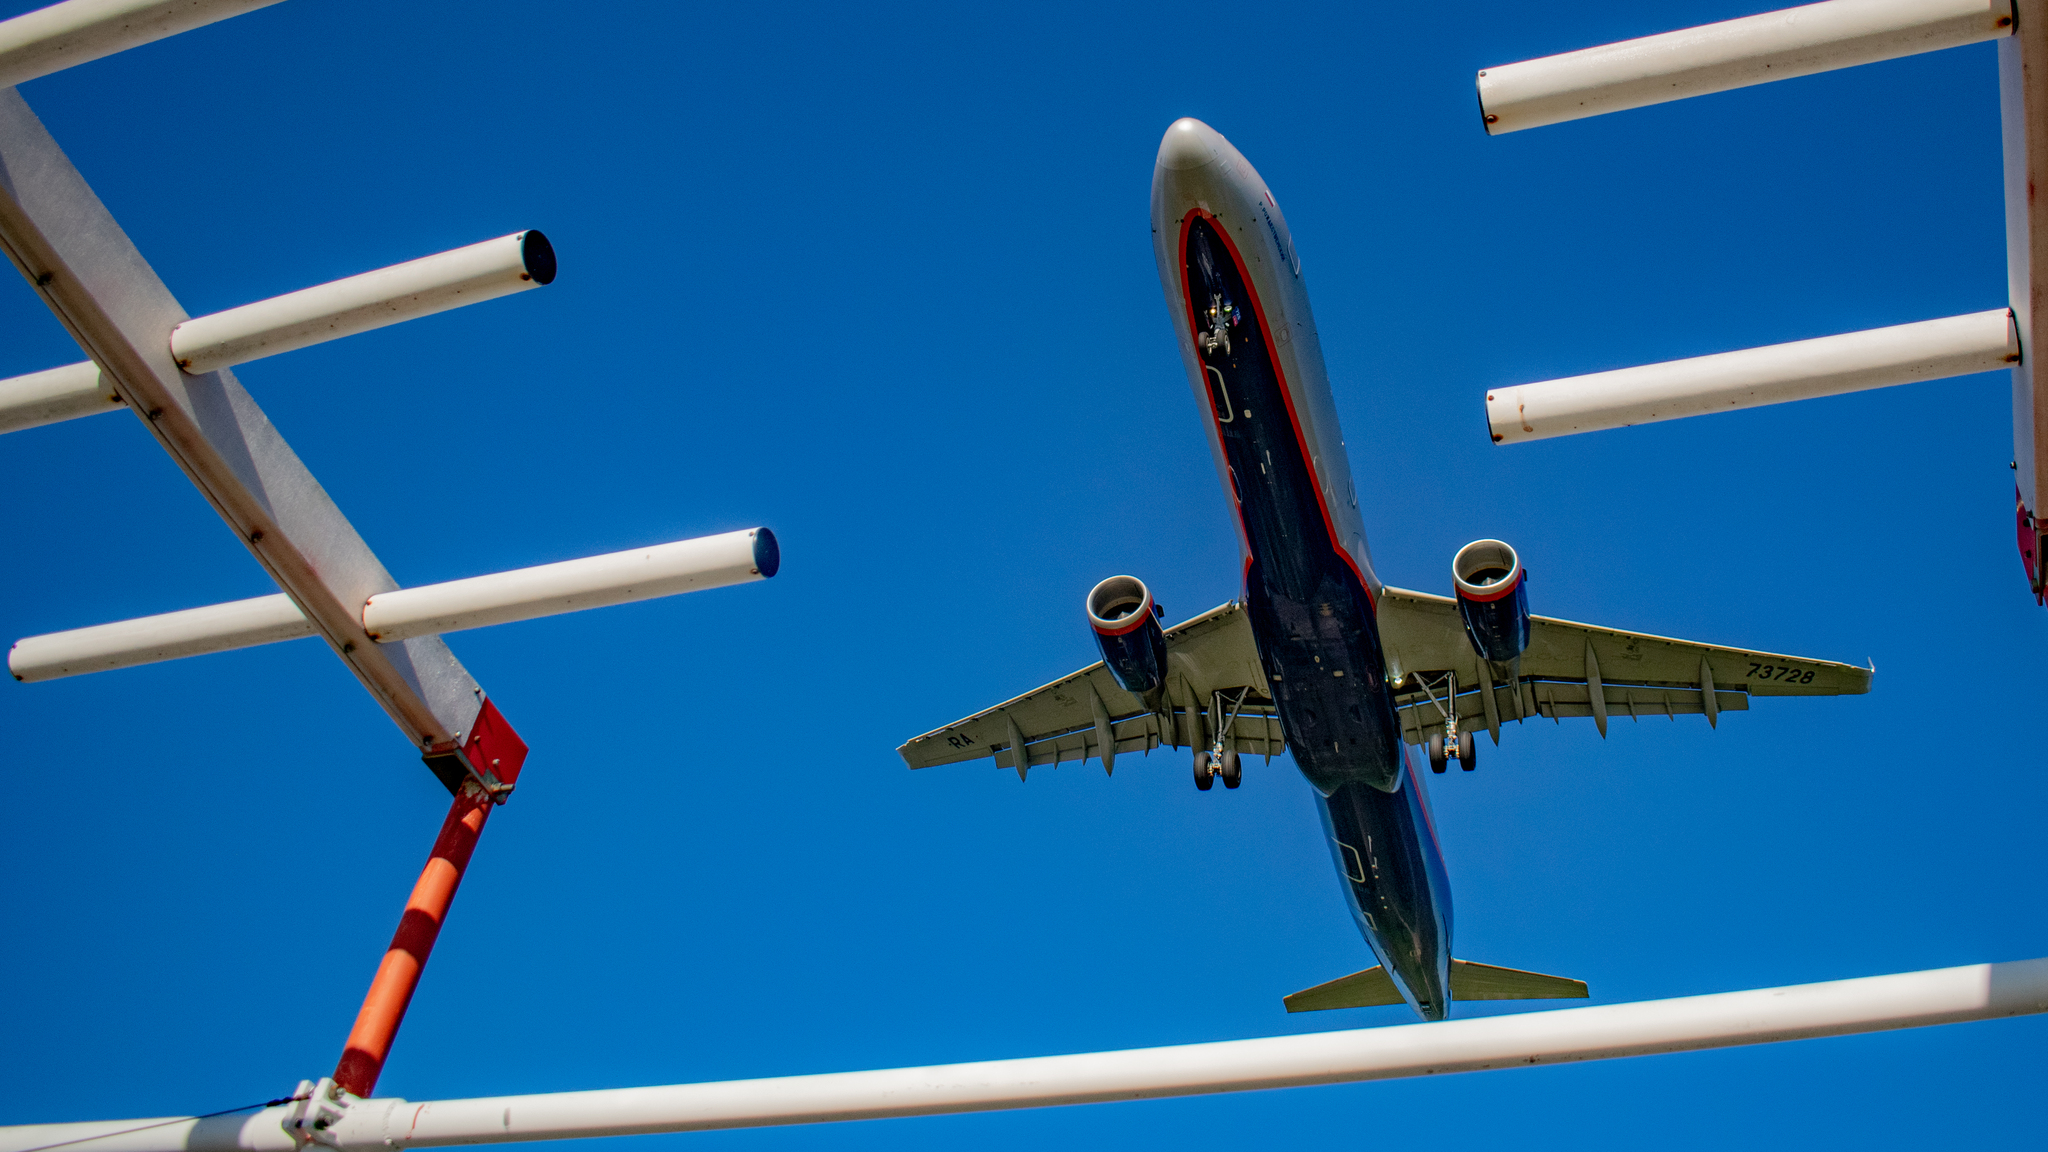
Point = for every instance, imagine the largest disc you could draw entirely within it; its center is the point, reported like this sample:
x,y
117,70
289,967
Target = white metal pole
x,y
1732,54
372,300
59,235
1835,1008
406,291
429,609
77,31
573,585
127,643
2023,115
1775,374
57,394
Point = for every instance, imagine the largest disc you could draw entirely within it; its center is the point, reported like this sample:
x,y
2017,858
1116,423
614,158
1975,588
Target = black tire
x,y
1468,752
1205,778
1437,761
1233,770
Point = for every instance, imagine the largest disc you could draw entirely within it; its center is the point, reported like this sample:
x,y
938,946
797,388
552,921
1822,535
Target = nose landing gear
x,y
1222,315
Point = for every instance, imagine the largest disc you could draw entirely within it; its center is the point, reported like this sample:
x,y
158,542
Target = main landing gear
x,y
1220,759
1450,744
1459,747
1210,765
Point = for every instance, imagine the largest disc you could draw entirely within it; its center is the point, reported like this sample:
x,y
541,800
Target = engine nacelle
x,y
1493,597
1126,623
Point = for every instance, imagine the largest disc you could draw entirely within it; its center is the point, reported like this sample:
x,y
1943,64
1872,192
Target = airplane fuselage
x,y
1233,283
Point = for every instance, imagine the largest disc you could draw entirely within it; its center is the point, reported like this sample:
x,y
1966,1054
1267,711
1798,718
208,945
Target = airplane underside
x,y
1313,619
1318,658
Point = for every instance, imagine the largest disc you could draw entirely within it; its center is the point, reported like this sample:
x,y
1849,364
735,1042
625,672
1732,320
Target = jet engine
x,y
1126,623
1493,597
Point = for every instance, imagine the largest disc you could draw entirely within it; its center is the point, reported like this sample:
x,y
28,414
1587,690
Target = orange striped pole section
x,y
369,1042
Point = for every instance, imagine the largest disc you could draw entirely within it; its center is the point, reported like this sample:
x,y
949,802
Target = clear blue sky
x,y
879,277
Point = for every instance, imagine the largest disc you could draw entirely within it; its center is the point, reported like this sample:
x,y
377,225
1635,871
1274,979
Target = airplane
x,y
1317,657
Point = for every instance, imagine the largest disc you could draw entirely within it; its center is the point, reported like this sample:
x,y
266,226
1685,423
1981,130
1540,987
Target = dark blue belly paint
x,y
1314,621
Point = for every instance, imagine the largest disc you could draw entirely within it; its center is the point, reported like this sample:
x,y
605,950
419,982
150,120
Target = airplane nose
x,y
1189,143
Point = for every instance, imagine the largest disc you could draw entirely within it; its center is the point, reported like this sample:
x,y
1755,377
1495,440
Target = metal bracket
x,y
1447,707
316,1107
1216,701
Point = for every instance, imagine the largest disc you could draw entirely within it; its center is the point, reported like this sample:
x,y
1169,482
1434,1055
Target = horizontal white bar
x,y
430,609
57,394
372,300
1804,1011
1732,54
127,643
1801,370
77,31
573,585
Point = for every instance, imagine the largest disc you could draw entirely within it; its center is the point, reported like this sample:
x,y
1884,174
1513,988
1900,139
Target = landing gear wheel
x,y
1232,771
1468,752
1437,761
1205,777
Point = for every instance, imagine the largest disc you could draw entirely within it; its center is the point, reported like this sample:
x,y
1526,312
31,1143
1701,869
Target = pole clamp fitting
x,y
315,1108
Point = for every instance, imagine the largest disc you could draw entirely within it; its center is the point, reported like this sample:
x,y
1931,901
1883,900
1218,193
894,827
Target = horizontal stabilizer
x,y
1358,990
1469,981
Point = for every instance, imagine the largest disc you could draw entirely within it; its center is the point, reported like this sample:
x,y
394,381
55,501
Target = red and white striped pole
x,y
494,754
369,1042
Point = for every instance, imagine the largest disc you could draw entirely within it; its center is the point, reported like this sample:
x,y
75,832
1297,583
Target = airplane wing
x,y
1213,677
1572,670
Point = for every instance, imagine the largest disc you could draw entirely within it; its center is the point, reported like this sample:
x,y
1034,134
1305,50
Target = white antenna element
x,y
174,373
1691,1023
372,300
1732,54
572,585
151,639
430,609
85,268
1727,381
55,395
79,31
296,320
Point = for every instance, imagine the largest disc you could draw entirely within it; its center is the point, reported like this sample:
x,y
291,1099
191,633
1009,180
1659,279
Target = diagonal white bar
x,y
1732,54
78,31
430,609
361,303
1766,1015
65,393
85,268
1774,374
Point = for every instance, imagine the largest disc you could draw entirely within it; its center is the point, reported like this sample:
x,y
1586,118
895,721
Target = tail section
x,y
1358,990
1469,981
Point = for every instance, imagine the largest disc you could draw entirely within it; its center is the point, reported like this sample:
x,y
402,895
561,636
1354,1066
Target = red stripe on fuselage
x,y
1286,389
